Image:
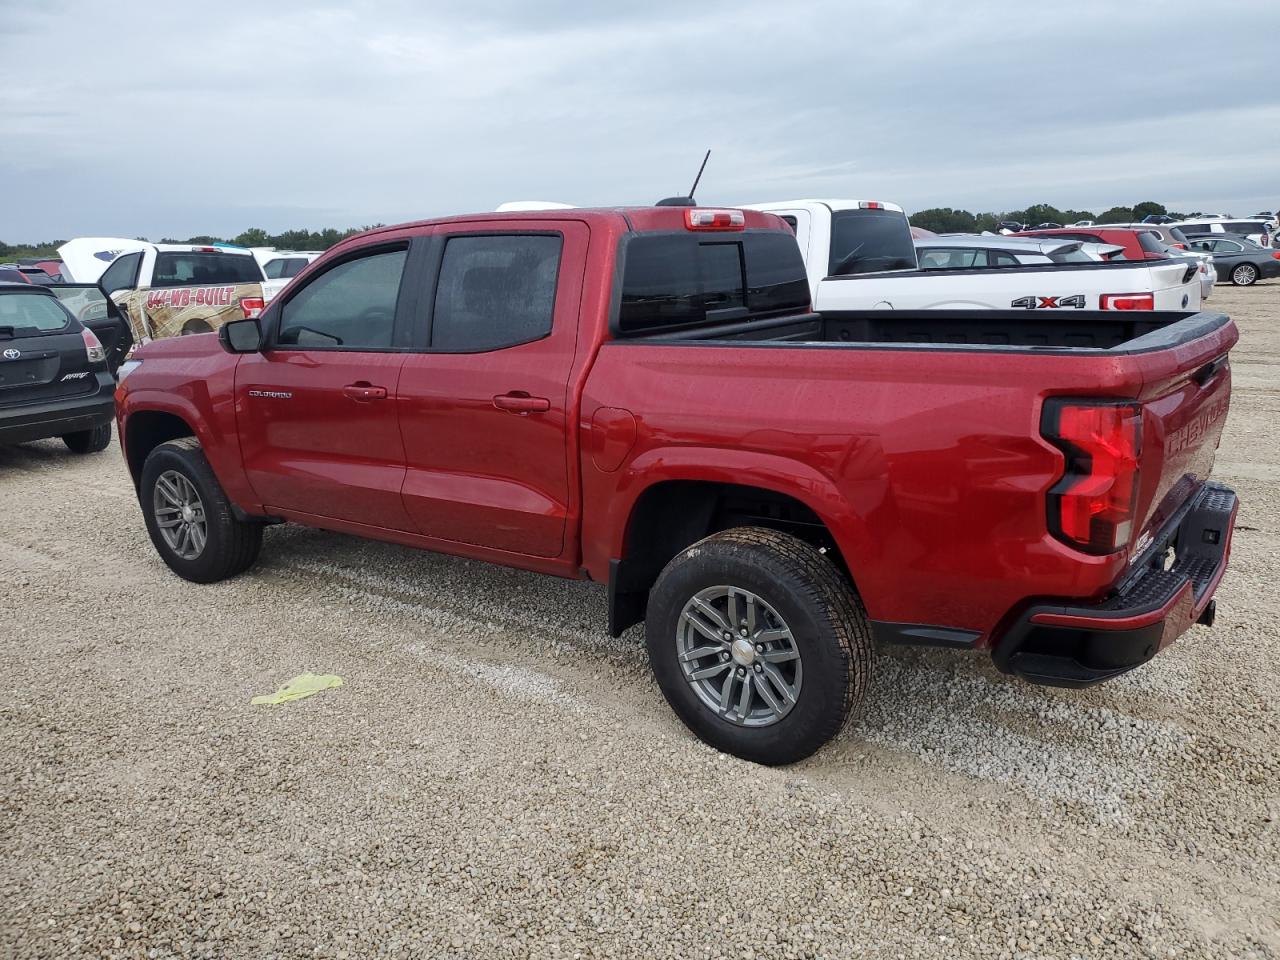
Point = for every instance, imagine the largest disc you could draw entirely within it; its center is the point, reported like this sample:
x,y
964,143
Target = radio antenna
x,y
699,176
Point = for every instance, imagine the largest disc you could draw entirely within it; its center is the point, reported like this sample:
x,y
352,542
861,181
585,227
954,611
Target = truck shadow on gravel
x,y
947,710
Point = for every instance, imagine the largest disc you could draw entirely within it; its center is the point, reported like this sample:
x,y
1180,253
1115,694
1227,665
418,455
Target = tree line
x,y
947,220
937,219
253,237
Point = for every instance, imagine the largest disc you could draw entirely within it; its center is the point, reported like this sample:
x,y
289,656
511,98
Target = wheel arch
x,y
147,429
681,503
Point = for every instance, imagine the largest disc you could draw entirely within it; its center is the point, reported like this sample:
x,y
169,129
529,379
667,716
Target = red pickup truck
x,y
643,398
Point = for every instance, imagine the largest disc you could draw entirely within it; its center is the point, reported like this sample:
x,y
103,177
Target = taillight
x,y
1092,506
1179,246
1276,255
93,346
252,307
1127,301
702,218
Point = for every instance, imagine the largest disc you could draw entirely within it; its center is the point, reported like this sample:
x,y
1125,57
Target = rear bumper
x,y
56,418
1069,645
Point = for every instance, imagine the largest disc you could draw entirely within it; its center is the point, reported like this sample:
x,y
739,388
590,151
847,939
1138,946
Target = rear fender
x,y
765,471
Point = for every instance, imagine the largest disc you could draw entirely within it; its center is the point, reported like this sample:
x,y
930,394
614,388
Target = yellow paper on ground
x,y
301,686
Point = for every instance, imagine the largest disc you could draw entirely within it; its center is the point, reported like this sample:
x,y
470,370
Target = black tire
x,y
825,618
1244,275
231,545
89,441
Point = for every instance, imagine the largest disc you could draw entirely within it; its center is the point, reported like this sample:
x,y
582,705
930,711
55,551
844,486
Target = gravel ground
x,y
499,778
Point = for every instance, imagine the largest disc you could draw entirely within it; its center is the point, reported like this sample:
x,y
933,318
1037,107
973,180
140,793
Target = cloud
x,y
171,119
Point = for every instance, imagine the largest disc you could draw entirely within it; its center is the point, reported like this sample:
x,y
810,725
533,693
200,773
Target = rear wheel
x,y
1245,275
189,517
759,644
89,441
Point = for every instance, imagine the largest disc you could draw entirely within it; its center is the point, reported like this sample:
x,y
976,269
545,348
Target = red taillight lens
x,y
252,307
1092,506
700,218
1179,246
870,205
1276,255
1127,301
93,349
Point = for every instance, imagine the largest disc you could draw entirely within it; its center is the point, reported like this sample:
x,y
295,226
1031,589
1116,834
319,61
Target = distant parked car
x,y
1083,223
9,273
1256,231
1139,242
1048,226
1157,218
1010,226
1236,259
970,251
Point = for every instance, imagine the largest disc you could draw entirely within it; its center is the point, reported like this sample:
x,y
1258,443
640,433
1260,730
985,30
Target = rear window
x,y
1150,242
1177,235
200,269
284,267
1071,255
31,311
86,303
1245,227
864,241
687,279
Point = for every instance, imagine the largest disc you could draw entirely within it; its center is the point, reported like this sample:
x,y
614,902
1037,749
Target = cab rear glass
x,y
198,269
24,312
867,241
677,281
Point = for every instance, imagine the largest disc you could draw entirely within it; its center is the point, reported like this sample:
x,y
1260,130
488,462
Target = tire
x,y
89,441
227,546
788,582
1244,275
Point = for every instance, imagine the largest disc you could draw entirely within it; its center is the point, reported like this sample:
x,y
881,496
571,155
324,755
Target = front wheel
x,y
89,441
1245,275
189,517
759,644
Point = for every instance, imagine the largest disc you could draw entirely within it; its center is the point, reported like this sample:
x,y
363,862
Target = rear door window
x,y
1228,246
198,269
284,267
495,291
949,258
684,280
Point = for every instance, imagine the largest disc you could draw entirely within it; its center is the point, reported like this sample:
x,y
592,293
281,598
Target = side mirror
x,y
240,336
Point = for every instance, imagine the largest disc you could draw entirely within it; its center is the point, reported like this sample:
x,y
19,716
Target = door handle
x,y
363,391
520,402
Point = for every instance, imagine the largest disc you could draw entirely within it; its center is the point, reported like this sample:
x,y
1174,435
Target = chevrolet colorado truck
x,y
643,398
859,256
175,289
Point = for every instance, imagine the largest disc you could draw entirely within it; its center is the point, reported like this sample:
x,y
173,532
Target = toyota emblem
x,y
12,354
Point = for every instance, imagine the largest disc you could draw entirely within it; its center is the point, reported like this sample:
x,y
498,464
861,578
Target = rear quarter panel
x,y
927,465
171,311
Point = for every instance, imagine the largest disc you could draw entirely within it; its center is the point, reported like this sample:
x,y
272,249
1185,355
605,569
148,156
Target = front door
x,y
316,409
484,405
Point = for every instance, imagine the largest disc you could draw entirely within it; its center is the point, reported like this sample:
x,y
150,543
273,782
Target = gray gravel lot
x,y
497,777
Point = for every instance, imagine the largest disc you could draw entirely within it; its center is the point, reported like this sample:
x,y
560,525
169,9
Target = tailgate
x,y
41,367
1185,396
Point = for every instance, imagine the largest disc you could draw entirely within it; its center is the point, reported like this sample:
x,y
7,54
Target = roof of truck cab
x,y
633,218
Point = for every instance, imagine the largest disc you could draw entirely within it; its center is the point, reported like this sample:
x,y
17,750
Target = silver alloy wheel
x,y
179,514
739,656
1245,274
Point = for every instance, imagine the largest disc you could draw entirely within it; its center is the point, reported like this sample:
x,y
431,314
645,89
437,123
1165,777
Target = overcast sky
x,y
174,119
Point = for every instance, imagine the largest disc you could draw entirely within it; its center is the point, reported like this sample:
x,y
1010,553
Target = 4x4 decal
x,y
1049,303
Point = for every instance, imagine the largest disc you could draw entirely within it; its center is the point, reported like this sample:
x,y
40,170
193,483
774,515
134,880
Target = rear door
x,y
42,351
316,409
484,400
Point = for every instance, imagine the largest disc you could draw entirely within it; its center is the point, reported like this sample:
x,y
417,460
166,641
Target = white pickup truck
x,y
859,255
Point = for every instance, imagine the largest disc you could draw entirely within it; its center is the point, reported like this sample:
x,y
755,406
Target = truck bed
x,y
1041,330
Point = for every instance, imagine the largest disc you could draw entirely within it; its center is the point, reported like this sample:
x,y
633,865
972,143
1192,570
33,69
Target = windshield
x,y
31,311
864,241
199,268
